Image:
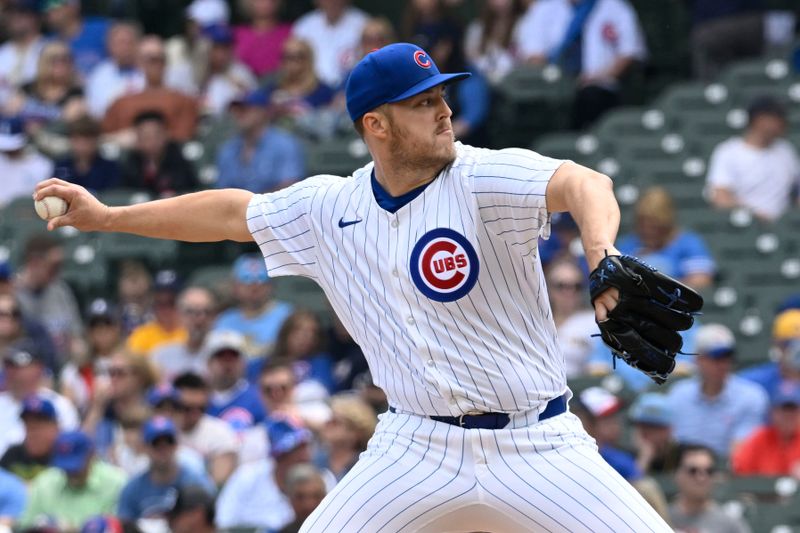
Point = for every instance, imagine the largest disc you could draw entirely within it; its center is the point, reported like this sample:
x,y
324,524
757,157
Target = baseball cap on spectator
x,y
102,311
21,353
38,407
102,524
158,427
250,269
651,408
163,392
219,34
222,340
208,12
766,105
189,498
5,271
71,451
786,326
390,74
285,437
167,281
792,302
599,402
255,98
715,341
787,393
12,134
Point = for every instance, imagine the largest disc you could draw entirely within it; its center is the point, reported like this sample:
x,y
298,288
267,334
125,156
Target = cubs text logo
x,y
444,265
422,59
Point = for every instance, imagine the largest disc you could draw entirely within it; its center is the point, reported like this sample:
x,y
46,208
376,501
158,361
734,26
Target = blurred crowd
x,y
172,405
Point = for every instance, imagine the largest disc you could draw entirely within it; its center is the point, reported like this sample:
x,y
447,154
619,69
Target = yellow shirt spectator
x,y
144,339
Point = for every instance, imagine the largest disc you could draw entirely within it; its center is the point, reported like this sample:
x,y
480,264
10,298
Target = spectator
x,y
118,75
785,354
104,339
209,436
694,508
15,326
257,316
350,366
20,54
300,341
13,498
192,511
107,524
21,169
259,43
759,169
43,294
377,33
725,408
254,496
305,489
658,241
597,40
333,30
32,456
147,494
226,78
723,32
156,164
164,400
180,110
166,325
86,36
84,165
198,309
190,50
260,158
233,399
656,449
135,295
490,41
298,97
442,37
346,434
24,377
574,319
130,376
774,449
76,488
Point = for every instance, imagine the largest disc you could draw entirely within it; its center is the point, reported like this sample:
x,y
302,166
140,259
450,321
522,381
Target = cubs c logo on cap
x,y
444,265
422,59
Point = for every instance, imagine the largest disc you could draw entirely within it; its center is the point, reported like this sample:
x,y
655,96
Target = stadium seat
x,y
340,157
303,293
118,246
684,99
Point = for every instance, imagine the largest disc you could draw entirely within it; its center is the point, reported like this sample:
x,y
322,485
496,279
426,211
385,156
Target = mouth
x,y
448,131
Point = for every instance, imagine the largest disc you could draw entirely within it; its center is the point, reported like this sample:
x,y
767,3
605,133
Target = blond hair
x,y
656,204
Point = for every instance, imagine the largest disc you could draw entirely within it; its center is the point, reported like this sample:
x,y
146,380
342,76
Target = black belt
x,y
554,407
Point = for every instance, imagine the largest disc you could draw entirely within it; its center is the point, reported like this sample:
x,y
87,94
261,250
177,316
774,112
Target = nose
x,y
444,110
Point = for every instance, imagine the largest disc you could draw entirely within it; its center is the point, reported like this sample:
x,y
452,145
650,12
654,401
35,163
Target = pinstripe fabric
x,y
425,476
494,348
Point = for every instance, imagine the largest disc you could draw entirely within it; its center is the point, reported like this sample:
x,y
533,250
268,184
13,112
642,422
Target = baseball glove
x,y
643,328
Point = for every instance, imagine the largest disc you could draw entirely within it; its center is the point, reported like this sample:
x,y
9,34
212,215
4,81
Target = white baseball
x,y
50,207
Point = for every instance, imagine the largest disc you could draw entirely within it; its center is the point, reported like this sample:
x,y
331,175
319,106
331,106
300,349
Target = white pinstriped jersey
x,y
446,296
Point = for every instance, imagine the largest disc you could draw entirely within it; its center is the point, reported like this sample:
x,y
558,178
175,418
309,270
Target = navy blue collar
x,y
391,203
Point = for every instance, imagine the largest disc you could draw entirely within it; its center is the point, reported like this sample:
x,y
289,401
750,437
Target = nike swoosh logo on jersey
x,y
343,224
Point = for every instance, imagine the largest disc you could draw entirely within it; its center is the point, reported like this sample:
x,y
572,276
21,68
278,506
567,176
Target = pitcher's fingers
x,y
50,181
65,192
57,222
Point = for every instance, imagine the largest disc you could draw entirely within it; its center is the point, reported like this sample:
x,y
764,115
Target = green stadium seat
x,y
582,148
340,157
120,246
684,99
123,196
627,122
303,293
748,79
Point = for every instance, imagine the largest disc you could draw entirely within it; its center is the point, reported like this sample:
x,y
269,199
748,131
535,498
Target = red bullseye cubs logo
x,y
422,59
444,265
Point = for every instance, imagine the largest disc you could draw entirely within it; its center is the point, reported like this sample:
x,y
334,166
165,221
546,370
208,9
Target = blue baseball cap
x,y
285,437
159,426
390,74
256,98
102,524
250,269
651,408
219,34
39,407
787,393
12,134
71,451
161,393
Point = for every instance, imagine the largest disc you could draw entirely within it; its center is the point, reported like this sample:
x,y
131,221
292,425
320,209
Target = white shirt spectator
x,y
495,62
210,437
335,46
222,89
612,31
251,498
12,430
107,82
174,358
761,179
18,64
20,175
255,444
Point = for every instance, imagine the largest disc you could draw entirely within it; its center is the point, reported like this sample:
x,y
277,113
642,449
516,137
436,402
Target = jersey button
x,y
394,223
410,320
395,273
430,362
453,400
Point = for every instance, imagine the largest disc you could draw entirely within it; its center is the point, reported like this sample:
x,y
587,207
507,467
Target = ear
x,y
376,124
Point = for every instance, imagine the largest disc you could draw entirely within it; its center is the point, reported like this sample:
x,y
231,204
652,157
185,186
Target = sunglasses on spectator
x,y
197,311
271,388
694,471
118,372
187,408
154,59
10,313
163,441
563,286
